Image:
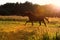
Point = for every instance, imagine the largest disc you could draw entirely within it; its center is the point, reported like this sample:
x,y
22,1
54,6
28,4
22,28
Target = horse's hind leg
x,y
44,22
40,22
32,23
26,22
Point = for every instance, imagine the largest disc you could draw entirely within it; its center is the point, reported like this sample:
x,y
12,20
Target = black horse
x,y
33,18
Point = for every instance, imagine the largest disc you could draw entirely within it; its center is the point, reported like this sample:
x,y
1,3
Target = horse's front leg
x,y
47,20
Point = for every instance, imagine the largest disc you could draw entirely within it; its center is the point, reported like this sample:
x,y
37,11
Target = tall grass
x,y
25,35
11,28
13,18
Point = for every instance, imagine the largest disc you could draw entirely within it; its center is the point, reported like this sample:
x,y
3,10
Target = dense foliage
x,y
21,9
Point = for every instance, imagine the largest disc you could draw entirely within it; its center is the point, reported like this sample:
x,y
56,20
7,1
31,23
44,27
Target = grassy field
x,y
13,28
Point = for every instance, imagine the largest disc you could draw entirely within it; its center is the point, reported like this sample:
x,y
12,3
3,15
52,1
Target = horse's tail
x,y
46,19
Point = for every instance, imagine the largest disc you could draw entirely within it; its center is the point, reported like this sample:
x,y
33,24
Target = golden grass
x,y
16,26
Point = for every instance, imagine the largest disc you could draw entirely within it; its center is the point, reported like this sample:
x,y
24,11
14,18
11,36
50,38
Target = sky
x,y
41,2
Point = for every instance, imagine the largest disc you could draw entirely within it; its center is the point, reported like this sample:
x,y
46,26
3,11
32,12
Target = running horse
x,y
33,18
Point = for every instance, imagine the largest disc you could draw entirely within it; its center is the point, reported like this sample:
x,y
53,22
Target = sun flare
x,y
56,3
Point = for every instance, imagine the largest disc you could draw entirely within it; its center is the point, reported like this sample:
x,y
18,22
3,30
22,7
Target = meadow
x,y
13,28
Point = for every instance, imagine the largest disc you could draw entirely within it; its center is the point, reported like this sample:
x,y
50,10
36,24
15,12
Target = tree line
x,y
22,9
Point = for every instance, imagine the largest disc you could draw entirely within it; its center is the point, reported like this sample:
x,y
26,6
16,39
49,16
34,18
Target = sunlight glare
x,y
56,3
